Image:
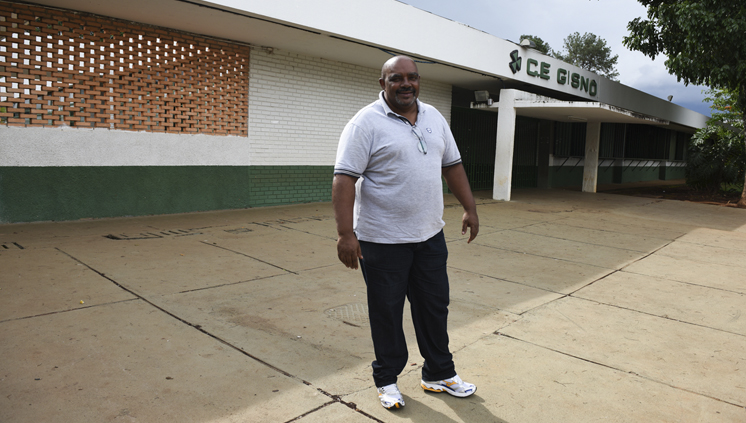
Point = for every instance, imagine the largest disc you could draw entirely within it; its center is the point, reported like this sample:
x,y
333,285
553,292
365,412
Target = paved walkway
x,y
568,307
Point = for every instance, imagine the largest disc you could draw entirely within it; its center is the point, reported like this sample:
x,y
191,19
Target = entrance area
x,y
475,131
551,154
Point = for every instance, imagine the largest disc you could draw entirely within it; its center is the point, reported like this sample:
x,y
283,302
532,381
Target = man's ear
x,y
383,83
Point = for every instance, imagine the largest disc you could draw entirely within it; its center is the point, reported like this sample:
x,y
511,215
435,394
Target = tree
x,y
589,52
703,44
541,45
717,154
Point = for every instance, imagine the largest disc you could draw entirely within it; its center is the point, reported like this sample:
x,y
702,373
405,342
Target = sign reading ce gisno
x,y
542,70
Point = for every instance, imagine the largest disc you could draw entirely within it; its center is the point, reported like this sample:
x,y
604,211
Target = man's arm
x,y
343,201
455,177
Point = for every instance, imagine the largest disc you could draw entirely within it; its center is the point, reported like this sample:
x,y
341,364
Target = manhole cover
x,y
355,314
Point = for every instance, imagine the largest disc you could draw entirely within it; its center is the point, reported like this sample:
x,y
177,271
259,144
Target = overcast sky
x,y
554,20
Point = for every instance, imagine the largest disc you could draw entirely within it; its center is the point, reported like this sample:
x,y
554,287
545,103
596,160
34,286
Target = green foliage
x,y
541,45
589,52
725,107
703,44
702,40
715,158
717,153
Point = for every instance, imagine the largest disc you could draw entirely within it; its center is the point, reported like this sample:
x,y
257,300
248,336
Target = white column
x,y
590,169
504,145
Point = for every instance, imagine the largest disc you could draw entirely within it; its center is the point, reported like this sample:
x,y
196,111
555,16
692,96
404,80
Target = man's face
x,y
401,84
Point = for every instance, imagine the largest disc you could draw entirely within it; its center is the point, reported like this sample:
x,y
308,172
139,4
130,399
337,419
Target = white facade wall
x,y
437,95
32,147
298,105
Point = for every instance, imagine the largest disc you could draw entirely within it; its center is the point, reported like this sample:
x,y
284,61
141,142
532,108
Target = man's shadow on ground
x,y
471,409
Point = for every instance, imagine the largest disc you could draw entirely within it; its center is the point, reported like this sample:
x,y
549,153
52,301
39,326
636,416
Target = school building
x,y
138,107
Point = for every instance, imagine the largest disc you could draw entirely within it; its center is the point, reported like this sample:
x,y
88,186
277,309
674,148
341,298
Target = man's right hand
x,y
348,251
343,201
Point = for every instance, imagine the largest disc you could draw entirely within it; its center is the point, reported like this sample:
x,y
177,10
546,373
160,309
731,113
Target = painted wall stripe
x,y
103,147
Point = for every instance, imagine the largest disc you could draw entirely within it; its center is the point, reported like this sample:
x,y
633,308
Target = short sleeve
x,y
353,151
451,155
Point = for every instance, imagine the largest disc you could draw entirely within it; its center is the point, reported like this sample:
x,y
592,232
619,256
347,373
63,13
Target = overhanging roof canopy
x,y
367,32
540,107
583,111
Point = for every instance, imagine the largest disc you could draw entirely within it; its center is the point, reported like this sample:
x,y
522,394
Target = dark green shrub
x,y
716,156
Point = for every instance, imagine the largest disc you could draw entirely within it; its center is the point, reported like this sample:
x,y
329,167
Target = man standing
x,y
388,203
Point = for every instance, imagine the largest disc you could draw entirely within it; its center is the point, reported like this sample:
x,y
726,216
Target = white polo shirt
x,y
399,196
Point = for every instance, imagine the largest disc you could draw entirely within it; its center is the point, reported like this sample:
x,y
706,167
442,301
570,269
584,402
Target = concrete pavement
x,y
568,307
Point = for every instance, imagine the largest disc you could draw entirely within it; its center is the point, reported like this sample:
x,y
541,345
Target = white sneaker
x,y
454,386
390,396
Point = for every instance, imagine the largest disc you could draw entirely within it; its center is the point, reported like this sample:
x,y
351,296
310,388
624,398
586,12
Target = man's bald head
x,y
392,62
400,82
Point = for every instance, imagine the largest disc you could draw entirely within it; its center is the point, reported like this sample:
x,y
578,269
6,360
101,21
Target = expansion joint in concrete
x,y
186,291
334,398
620,370
536,255
306,232
666,317
51,313
246,255
195,326
650,253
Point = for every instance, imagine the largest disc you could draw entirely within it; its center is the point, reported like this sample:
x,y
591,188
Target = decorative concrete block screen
x,y
66,68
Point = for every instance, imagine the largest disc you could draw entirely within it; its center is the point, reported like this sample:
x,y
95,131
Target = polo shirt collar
x,y
388,110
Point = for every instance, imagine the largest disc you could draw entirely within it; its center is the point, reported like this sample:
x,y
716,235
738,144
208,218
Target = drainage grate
x,y
355,314
11,246
152,235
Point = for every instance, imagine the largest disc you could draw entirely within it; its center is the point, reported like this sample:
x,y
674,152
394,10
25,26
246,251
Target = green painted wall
x,y
675,173
565,176
30,194
573,176
605,175
276,185
640,174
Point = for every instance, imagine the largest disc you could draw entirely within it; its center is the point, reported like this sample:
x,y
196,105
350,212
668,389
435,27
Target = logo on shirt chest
x,y
429,130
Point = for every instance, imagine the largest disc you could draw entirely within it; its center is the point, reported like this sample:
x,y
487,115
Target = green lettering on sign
x,y
561,76
544,70
575,80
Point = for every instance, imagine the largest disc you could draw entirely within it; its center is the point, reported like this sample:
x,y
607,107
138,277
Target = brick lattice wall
x,y
66,68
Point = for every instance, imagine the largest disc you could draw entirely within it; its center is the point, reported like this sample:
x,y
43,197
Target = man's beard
x,y
405,103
